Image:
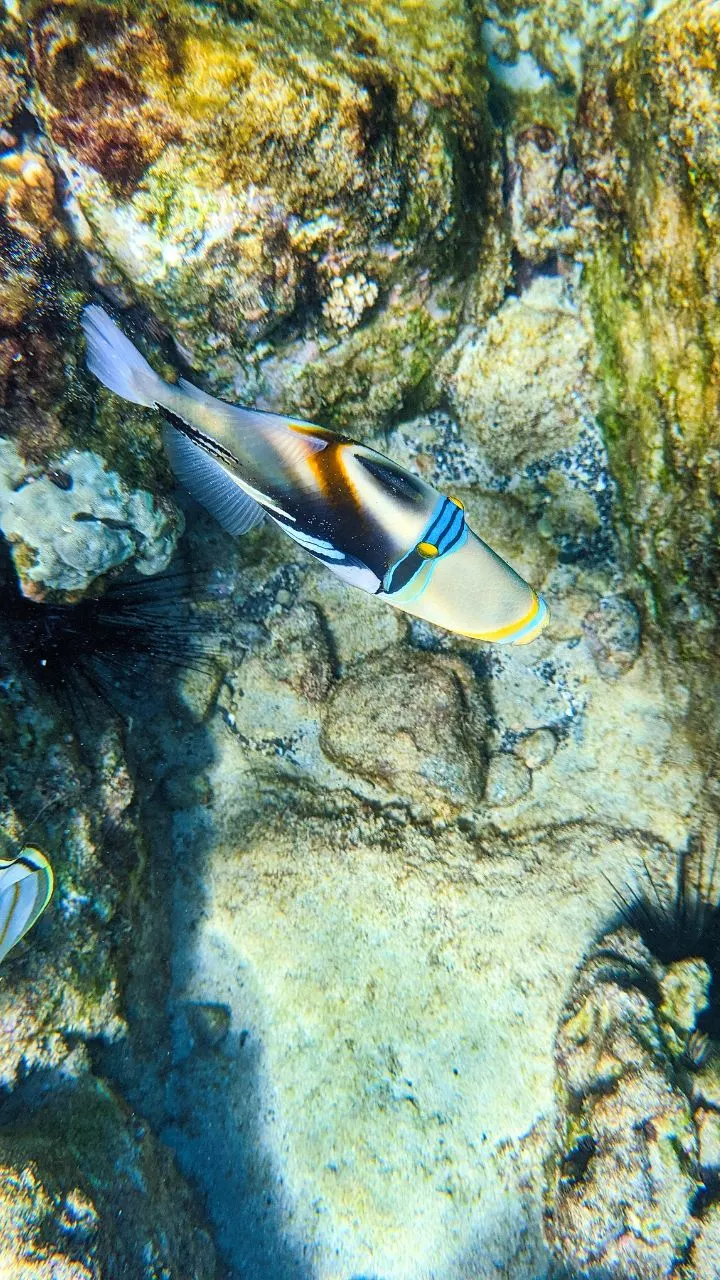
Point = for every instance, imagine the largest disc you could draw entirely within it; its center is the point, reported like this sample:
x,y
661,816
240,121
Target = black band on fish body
x,y
205,442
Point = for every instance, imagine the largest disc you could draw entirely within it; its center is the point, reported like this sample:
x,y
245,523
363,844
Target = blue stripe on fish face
x,y
445,532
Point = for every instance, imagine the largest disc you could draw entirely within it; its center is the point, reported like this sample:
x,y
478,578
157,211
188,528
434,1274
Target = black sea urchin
x,y
681,920
108,647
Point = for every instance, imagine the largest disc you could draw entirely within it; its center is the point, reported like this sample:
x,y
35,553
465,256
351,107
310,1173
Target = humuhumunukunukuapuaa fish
x,y
26,885
371,522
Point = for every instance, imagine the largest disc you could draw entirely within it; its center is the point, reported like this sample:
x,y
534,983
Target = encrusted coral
x,y
370,866
76,522
348,299
536,53
85,1190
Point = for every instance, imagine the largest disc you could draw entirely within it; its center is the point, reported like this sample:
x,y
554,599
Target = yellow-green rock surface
x,y
652,283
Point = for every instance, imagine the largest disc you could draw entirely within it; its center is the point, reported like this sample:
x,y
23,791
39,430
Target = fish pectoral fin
x,y
211,484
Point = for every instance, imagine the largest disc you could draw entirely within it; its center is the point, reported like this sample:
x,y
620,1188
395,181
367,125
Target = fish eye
x,y
427,550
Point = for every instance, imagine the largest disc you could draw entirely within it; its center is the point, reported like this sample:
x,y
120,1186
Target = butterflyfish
x,y
26,885
370,521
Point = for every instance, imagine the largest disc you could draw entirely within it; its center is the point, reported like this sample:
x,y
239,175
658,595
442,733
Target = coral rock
x,y
265,186
508,780
79,521
612,631
86,1191
653,286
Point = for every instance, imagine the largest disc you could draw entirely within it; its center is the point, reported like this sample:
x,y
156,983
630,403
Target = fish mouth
x,y
524,631
537,623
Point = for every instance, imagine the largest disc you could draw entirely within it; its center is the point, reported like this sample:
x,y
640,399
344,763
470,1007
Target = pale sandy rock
x,y
708,1128
537,749
300,653
358,624
385,982
522,388
613,633
508,780
648,779
705,1257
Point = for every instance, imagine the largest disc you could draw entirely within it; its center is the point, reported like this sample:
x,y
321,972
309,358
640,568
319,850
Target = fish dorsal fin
x,y
234,415
209,482
254,417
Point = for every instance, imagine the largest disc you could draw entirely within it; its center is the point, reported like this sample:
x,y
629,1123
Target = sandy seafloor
x,y
341,978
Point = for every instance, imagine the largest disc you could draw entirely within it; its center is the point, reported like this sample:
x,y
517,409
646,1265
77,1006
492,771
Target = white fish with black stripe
x,y
370,521
26,885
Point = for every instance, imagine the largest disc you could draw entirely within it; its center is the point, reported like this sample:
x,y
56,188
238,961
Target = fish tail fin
x,y
117,363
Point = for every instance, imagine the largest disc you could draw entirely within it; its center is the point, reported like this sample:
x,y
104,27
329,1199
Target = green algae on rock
x,y
260,183
653,292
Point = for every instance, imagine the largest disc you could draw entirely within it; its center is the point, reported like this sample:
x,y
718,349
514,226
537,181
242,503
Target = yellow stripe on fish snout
x,y
513,628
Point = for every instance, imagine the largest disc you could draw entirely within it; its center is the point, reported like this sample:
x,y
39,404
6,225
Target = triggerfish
x,y
371,522
26,885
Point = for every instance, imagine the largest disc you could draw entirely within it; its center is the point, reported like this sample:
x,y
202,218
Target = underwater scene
x,y
359,640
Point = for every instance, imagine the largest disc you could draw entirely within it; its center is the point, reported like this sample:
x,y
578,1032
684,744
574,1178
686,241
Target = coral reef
x,y
624,1180
387,876
631,1185
534,362
536,56
84,1189
329,892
